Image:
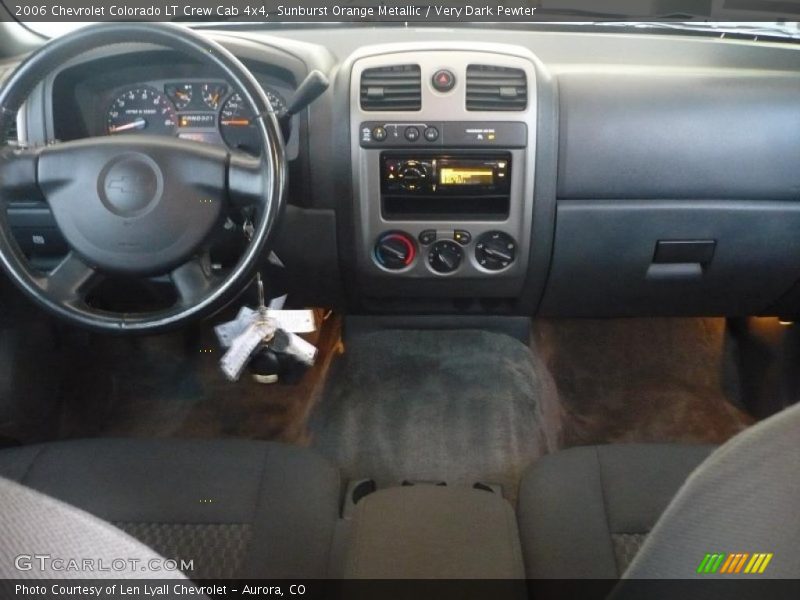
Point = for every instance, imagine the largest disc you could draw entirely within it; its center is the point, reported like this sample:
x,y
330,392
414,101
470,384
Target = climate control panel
x,y
445,251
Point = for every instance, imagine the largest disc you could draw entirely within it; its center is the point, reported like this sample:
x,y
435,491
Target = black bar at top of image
x,y
410,11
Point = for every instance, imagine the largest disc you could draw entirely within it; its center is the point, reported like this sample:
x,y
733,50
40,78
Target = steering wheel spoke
x,y
246,180
194,280
71,280
18,175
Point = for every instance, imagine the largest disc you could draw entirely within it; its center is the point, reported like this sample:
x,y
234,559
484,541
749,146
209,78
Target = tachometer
x,y
142,110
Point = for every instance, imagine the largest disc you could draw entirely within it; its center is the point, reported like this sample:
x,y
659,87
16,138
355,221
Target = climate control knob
x,y
395,250
445,256
495,250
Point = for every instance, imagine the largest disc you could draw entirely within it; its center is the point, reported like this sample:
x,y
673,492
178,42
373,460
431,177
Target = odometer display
x,y
141,110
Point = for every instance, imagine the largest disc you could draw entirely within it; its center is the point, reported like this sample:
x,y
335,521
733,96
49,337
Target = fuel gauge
x,y
180,94
213,93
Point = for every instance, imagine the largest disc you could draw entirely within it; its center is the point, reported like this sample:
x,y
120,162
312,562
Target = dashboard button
x,y
412,134
379,134
443,80
412,175
431,134
427,237
462,237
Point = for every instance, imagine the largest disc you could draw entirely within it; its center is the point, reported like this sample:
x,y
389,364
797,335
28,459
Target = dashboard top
x,y
618,123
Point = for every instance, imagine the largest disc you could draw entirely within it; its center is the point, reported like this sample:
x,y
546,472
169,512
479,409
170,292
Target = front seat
x,y
654,511
236,508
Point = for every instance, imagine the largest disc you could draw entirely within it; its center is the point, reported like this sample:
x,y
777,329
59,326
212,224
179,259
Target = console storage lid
x,y
429,531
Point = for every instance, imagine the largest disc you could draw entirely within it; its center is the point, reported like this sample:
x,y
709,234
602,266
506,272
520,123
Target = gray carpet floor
x,y
171,386
454,406
474,406
461,406
643,380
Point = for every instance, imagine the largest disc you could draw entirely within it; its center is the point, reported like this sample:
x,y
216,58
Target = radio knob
x,y
412,176
495,250
445,257
395,250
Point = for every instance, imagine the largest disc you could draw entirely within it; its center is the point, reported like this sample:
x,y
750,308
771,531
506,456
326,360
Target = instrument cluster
x,y
203,110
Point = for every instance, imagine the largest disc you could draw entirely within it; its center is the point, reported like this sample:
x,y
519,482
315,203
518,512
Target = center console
x,y
429,531
443,148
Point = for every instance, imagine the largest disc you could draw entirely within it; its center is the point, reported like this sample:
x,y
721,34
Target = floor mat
x,y
171,386
643,380
31,367
458,406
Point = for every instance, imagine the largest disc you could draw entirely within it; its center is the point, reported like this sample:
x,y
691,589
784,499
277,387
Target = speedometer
x,y
235,121
236,125
278,104
141,110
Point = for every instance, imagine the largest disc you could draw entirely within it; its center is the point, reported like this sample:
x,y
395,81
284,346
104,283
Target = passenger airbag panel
x,y
682,135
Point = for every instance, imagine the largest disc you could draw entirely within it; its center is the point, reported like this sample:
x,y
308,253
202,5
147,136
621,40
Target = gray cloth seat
x,y
236,508
584,512
31,522
645,512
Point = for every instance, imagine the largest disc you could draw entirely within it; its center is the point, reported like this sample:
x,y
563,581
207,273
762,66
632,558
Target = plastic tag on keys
x,y
286,342
294,321
244,345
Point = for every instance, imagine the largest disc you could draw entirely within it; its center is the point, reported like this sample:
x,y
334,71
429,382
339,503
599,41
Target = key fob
x,y
291,369
265,366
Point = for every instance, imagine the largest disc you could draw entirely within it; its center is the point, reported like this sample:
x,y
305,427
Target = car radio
x,y
450,174
458,185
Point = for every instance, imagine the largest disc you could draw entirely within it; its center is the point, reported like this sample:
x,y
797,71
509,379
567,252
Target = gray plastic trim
x,y
437,106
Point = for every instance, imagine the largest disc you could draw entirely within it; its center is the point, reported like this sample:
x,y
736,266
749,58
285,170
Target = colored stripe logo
x,y
735,563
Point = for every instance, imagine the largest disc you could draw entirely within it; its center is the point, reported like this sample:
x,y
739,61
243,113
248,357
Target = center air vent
x,y
396,88
496,88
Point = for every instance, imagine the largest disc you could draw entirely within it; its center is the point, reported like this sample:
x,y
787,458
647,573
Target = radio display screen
x,y
466,176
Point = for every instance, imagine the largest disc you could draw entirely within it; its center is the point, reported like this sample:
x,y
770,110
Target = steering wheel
x,y
139,206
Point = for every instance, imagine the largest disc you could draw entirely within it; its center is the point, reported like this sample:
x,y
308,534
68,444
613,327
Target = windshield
x,y
756,18
755,29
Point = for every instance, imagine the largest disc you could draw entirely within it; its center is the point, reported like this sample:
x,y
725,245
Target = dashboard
x,y
160,95
623,175
198,109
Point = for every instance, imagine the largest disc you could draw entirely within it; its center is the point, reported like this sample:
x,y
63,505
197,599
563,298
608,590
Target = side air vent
x,y
397,88
496,88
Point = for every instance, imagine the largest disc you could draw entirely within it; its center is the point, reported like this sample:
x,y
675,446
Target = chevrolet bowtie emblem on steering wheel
x,y
130,184
127,184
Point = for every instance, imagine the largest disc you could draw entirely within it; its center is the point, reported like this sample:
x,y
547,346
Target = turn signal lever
x,y
312,87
